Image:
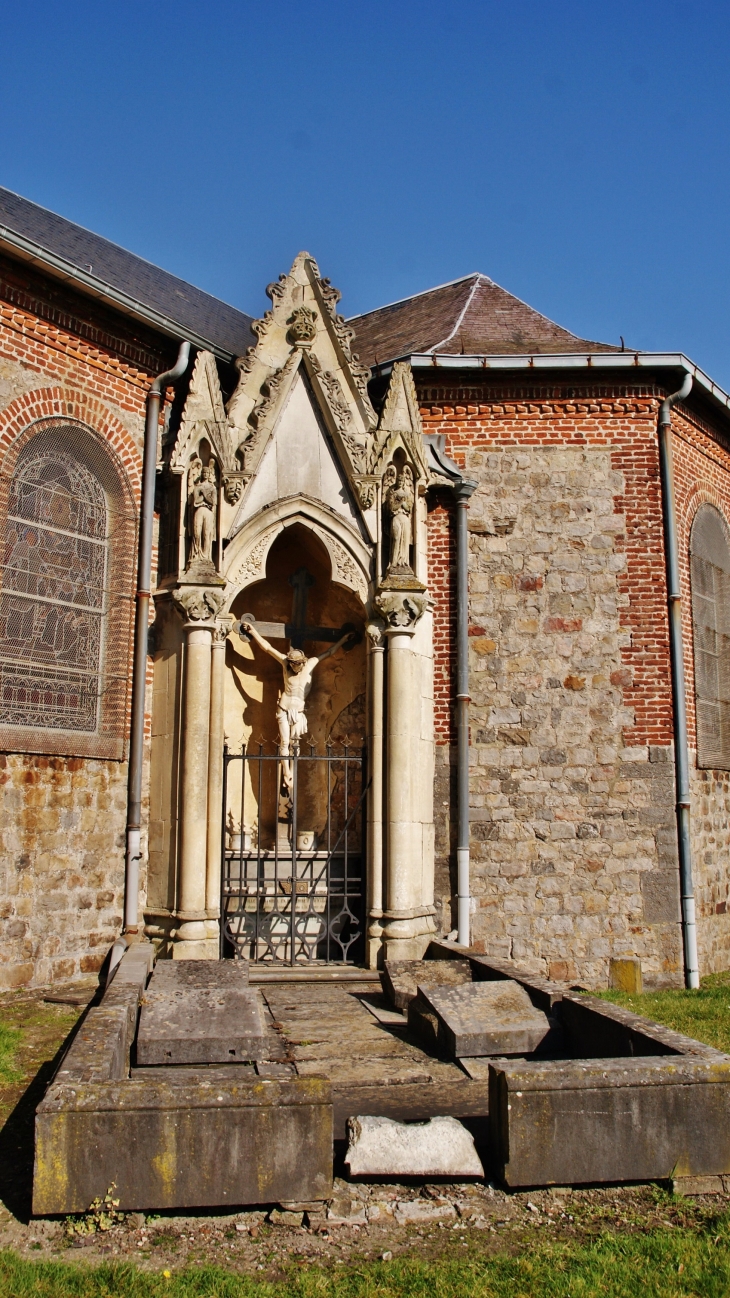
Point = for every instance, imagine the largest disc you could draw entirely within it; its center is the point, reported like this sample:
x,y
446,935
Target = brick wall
x,y
702,475
62,818
572,788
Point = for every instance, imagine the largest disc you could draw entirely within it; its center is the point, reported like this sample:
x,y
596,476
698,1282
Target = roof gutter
x,y
92,286
575,362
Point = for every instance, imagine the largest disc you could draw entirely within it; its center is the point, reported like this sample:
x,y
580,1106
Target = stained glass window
x,y
53,594
710,573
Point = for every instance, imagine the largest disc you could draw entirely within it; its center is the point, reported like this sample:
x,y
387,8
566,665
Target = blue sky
x,y
576,153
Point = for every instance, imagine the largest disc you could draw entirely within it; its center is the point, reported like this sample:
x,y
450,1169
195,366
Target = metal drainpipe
x,y
463,489
139,665
676,652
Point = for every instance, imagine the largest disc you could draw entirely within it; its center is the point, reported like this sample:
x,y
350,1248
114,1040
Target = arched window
x,y
64,519
710,575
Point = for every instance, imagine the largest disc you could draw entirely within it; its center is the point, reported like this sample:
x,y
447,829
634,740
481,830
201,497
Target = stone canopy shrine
x,y
293,534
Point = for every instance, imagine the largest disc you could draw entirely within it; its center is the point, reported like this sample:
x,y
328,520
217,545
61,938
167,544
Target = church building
x,y
322,636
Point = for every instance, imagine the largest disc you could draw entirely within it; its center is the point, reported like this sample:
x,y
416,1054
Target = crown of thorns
x,y
296,655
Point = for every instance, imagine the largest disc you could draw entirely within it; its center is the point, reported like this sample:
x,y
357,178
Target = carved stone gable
x,y
302,339
204,416
400,426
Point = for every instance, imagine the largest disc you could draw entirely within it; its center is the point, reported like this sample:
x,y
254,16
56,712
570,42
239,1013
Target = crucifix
x,y
296,631
297,668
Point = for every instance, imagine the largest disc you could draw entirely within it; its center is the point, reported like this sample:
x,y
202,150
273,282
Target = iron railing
x,y
292,877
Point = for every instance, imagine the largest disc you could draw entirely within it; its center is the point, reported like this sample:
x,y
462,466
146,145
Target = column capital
x,y
375,632
222,628
197,603
401,610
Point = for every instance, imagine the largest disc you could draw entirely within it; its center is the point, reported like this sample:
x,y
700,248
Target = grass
x,y
658,1264
9,1042
702,1014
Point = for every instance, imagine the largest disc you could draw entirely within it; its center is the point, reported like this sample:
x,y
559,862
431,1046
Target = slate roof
x,y
103,263
473,316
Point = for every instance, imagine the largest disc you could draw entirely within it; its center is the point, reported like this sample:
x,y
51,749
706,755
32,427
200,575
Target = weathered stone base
x,y
206,948
176,1145
186,1141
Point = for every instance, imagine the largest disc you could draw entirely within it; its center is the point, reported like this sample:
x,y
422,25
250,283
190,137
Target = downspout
x,y
463,489
679,708
139,664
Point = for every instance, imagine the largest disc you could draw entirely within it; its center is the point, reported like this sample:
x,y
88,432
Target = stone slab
x,y
625,975
694,1185
609,1120
198,1144
201,1025
401,978
477,1019
135,965
378,1146
200,973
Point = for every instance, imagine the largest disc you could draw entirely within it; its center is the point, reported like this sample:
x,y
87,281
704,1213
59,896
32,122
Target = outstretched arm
x,y
349,635
263,644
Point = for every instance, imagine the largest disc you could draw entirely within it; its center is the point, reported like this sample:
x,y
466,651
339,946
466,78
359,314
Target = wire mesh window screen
x,y
53,594
710,577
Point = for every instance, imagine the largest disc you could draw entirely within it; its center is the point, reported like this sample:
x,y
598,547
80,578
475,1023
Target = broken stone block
x,y
477,1019
401,978
383,1147
411,1212
283,1217
201,1025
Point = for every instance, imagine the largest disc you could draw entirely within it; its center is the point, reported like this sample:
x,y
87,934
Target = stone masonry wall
x,y
61,866
62,820
573,838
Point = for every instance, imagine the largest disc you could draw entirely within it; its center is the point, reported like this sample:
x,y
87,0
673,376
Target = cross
x,y
296,631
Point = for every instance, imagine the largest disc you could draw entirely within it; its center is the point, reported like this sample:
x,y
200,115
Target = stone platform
x,y
621,1099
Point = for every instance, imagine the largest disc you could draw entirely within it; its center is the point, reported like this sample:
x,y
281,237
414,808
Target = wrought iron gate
x,y
293,854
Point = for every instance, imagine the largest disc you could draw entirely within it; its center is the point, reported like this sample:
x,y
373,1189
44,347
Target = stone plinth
x,y
599,1120
183,1145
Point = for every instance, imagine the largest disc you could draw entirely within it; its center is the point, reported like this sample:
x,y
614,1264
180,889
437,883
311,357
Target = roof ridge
x,y
475,274
459,318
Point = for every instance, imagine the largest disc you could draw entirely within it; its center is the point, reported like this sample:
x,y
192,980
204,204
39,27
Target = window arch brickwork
x,y
66,592
710,583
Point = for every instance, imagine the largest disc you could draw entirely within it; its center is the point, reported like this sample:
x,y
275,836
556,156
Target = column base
x,y
374,945
407,938
202,949
194,941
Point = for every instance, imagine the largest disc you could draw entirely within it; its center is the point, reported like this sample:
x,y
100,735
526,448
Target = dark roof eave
x,y
18,245
573,361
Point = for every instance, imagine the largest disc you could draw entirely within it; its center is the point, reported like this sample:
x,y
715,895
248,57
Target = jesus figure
x,y
298,671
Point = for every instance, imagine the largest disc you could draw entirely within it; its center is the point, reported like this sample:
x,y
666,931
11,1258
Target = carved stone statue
x,y
399,498
298,671
203,498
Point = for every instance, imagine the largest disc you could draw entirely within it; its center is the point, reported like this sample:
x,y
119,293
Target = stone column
x,y
376,654
191,939
215,780
408,917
